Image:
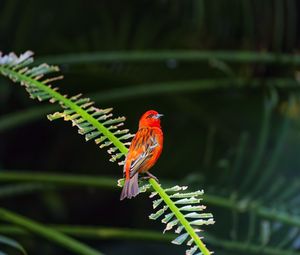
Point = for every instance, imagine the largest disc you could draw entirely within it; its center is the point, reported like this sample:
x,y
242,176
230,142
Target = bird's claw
x,y
150,176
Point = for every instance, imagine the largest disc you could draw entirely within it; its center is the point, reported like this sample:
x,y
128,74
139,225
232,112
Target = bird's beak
x,y
158,116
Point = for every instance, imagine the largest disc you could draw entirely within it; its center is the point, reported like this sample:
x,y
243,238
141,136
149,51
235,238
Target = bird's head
x,y
150,118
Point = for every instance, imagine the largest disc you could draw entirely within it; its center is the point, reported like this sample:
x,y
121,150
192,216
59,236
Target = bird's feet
x,y
150,176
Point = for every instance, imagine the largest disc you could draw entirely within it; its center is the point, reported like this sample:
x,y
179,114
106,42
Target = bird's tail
x,y
131,187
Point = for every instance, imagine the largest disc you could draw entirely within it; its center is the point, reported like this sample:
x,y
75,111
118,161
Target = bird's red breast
x,y
146,145
144,150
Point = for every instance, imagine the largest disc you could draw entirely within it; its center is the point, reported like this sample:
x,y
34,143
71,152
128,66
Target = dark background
x,y
214,137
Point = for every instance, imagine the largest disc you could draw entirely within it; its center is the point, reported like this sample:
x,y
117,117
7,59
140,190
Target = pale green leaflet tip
x,y
180,239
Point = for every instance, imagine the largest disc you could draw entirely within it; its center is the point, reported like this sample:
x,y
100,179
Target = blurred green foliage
x,y
231,115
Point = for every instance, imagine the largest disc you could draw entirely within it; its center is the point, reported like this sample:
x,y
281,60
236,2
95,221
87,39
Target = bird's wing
x,y
141,150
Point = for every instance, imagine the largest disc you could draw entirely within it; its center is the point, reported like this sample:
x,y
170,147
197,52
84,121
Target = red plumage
x,y
145,149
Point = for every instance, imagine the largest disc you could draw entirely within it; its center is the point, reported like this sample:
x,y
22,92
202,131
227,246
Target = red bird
x,y
145,149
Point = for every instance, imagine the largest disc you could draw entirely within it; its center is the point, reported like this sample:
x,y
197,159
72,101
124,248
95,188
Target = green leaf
x,y
180,239
12,243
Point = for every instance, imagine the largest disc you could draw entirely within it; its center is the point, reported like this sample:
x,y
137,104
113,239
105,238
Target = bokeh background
x,y
224,74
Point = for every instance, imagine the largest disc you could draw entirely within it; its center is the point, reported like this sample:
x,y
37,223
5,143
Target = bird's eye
x,y
150,116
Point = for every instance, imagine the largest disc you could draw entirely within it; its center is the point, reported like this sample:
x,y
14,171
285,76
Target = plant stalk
x,y
246,57
47,232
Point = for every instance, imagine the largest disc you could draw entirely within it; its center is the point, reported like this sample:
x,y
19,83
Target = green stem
x,y
22,188
99,232
245,248
47,232
165,55
58,179
179,216
17,119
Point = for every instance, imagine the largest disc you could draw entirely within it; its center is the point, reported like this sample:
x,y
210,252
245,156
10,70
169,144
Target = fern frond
x,y
99,125
183,211
95,124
